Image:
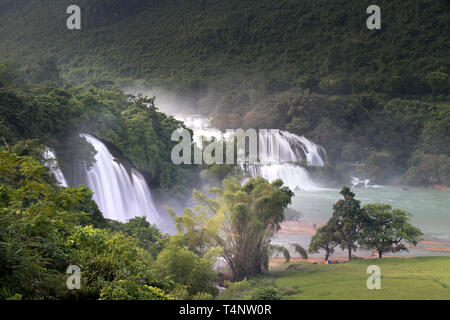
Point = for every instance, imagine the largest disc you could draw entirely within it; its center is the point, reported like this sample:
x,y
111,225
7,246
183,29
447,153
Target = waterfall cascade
x,y
52,163
120,195
281,154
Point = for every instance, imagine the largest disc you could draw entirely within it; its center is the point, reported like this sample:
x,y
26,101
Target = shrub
x,y
238,285
266,293
202,296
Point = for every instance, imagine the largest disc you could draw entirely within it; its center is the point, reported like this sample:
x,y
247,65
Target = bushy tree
x,y
274,249
45,228
348,219
183,266
251,213
326,238
387,229
240,221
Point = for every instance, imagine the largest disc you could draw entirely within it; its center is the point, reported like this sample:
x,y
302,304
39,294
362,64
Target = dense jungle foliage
x,y
44,229
56,115
377,100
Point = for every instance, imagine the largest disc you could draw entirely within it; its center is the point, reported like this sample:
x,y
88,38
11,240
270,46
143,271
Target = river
x,y
429,208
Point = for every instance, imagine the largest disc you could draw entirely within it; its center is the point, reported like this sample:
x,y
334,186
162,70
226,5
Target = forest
x,y
375,101
309,67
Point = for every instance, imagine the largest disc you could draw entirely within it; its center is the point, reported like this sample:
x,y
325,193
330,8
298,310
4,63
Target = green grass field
x,y
401,278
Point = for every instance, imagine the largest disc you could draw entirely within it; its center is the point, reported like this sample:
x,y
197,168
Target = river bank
x,y
440,187
303,229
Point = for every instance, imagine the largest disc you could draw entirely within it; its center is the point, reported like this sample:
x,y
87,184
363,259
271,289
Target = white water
x,y
357,182
280,153
52,164
119,195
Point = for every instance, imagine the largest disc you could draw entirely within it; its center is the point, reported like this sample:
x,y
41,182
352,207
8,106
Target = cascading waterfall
x,y
281,154
52,164
120,195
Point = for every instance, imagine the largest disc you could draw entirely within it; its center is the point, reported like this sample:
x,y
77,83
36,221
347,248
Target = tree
x,y
348,218
325,238
242,220
251,213
387,229
183,266
274,249
300,250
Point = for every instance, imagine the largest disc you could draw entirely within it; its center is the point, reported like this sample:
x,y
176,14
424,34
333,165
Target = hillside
x,y
373,97
284,44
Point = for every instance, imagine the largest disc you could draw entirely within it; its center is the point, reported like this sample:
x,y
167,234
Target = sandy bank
x,y
298,227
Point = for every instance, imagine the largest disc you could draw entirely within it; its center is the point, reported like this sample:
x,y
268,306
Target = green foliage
x,y
133,127
317,45
185,267
251,214
380,166
131,290
266,293
444,172
347,220
150,236
238,224
45,228
105,257
427,169
280,249
436,134
387,229
302,66
402,279
375,226
237,285
325,238
438,82
202,296
300,250
35,220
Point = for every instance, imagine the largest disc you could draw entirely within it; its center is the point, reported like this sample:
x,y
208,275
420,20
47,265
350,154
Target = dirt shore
x,y
440,187
308,228
298,227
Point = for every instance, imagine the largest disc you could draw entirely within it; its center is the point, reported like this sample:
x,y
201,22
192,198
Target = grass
x,y
401,278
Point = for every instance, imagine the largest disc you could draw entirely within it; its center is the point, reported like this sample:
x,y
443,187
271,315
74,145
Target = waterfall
x,y
120,195
52,164
281,155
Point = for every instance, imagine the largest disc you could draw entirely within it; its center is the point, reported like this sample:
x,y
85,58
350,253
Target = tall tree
x,y
247,216
252,213
387,229
348,218
325,238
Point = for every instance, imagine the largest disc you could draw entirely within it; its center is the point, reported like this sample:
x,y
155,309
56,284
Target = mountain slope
x,y
286,42
377,100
